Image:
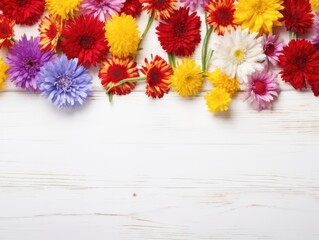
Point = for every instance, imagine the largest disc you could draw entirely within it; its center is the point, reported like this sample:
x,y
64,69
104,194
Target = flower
x,y
262,90
180,34
50,30
63,8
239,54
158,73
297,15
122,35
272,46
25,12
315,39
132,7
300,63
84,38
115,69
162,9
258,15
221,80
217,99
65,83
25,60
315,5
192,4
103,9
187,78
221,15
3,73
6,31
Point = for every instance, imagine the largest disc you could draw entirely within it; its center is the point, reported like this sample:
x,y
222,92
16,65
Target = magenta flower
x,y
262,90
192,4
103,9
315,40
273,47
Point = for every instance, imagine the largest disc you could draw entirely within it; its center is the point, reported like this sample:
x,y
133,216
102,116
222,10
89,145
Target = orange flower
x,y
162,9
6,31
221,15
158,73
115,69
50,31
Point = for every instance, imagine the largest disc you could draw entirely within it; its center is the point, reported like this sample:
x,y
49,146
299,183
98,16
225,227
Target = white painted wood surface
x,y
143,169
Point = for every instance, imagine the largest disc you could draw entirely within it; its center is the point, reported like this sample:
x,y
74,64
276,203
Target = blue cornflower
x,y
65,83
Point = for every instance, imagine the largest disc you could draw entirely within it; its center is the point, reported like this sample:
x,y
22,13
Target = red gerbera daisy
x,y
84,38
115,69
132,7
180,34
158,73
6,31
50,31
221,15
300,63
26,12
162,9
298,15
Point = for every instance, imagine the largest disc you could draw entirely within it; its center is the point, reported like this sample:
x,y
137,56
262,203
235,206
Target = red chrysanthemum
x,y
221,15
26,12
50,30
162,9
115,69
6,31
298,15
158,73
300,63
180,34
84,38
132,7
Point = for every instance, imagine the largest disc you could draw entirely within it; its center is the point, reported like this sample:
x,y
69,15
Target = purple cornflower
x,y
192,4
273,47
315,40
262,90
25,60
65,83
103,9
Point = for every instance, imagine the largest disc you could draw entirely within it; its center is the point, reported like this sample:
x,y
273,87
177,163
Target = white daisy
x,y
239,54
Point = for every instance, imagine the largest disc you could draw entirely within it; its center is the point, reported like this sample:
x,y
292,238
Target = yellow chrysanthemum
x,y
187,78
315,5
63,8
259,15
3,73
217,100
221,80
122,35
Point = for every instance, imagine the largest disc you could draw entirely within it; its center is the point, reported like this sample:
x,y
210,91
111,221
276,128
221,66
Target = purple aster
x,y
262,90
315,40
25,59
273,47
65,83
192,4
103,9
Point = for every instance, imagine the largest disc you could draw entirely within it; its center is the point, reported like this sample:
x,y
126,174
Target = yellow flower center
x,y
260,6
239,54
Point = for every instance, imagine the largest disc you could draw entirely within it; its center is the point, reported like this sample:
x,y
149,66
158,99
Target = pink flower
x,y
192,4
262,90
273,47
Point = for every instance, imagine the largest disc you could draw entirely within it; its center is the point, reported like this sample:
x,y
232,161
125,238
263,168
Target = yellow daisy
x,y
221,80
315,5
217,100
258,15
187,78
3,73
122,35
63,8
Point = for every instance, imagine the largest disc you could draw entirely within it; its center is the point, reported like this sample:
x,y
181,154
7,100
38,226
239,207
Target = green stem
x,y
171,59
292,34
204,49
148,26
137,79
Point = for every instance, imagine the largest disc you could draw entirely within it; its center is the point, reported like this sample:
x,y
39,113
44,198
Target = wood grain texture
x,y
140,169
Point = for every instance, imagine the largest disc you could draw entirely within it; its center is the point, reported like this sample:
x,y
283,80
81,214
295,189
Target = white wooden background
x,y
143,169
